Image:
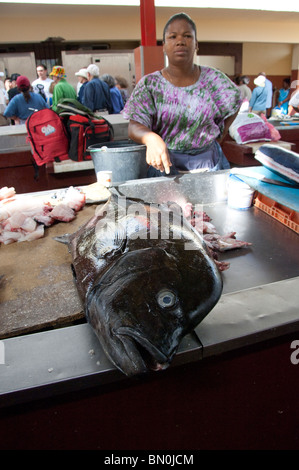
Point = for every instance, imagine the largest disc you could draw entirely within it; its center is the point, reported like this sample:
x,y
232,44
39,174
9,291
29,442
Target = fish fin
x,y
114,190
111,236
117,194
65,239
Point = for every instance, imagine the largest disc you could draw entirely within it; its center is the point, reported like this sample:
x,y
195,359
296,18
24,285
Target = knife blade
x,y
262,178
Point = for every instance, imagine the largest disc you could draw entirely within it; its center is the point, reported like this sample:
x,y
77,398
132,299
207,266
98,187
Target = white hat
x,y
82,73
260,81
94,70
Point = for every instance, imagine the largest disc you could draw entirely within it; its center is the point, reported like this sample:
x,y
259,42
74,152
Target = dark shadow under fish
x,y
146,280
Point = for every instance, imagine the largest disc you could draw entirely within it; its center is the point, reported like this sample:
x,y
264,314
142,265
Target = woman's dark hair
x,y
180,16
23,85
26,94
287,80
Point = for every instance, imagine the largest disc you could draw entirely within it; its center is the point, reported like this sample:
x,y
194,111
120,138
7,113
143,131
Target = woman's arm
x,y
156,151
227,123
285,100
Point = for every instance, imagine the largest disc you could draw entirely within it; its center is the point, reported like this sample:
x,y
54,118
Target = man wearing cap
x,y
258,100
13,91
62,89
82,80
24,103
42,84
96,92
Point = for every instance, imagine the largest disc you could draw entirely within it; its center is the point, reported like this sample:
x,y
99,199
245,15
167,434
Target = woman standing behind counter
x,y
182,112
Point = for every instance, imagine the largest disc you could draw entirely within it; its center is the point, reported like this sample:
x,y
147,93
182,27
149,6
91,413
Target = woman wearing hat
x,y
258,100
25,103
82,81
62,88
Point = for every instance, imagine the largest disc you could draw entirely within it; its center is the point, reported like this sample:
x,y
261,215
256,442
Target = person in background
x,y
13,87
7,85
96,94
258,100
242,83
62,89
269,88
42,84
123,86
283,95
3,94
294,103
182,112
3,102
22,105
116,98
82,81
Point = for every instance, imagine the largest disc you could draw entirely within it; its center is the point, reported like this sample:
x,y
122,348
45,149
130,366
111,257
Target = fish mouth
x,y
150,355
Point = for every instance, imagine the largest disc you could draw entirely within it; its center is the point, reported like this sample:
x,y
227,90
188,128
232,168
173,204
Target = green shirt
x,y
62,90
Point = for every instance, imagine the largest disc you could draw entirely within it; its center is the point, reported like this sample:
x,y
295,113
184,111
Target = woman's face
x,y
180,42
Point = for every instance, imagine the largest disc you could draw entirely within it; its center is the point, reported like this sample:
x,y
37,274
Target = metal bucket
x,y
125,158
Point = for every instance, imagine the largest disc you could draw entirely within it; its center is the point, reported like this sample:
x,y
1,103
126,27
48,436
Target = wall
x,y
29,23
268,38
273,59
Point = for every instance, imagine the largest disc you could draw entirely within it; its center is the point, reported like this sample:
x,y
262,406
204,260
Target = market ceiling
x,y
266,5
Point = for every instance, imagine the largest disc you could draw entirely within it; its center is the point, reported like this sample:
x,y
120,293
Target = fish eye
x,y
166,298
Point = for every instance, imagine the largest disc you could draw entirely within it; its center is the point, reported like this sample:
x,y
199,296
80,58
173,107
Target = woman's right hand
x,y
156,151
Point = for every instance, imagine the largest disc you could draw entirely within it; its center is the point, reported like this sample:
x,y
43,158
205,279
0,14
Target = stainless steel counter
x,y
259,300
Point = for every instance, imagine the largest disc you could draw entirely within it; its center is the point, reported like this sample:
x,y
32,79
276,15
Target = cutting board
x,y
37,289
288,197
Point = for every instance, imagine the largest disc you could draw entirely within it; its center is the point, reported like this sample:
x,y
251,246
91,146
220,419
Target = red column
x,y
148,56
148,23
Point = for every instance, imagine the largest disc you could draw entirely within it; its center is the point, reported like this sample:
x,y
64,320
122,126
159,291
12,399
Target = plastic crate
x,y
283,214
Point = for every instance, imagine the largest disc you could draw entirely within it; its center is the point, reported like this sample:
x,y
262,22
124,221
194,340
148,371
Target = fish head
x,y
147,301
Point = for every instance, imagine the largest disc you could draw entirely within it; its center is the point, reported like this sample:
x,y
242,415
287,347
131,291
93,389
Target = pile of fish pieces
x,y
24,217
215,242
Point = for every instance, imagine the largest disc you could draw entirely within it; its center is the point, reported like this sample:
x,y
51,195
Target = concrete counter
x,y
13,138
16,162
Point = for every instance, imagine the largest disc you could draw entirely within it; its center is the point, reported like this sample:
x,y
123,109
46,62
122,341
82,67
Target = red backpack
x,y
47,136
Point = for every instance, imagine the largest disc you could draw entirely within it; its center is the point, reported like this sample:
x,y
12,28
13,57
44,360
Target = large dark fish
x,y
145,279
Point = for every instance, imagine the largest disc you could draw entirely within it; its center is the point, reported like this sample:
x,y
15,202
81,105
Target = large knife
x,y
262,178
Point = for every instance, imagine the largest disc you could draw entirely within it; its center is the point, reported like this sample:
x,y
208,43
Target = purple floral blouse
x,y
185,117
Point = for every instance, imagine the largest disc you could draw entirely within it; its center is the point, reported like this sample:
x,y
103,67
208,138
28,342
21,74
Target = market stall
x,y
49,347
